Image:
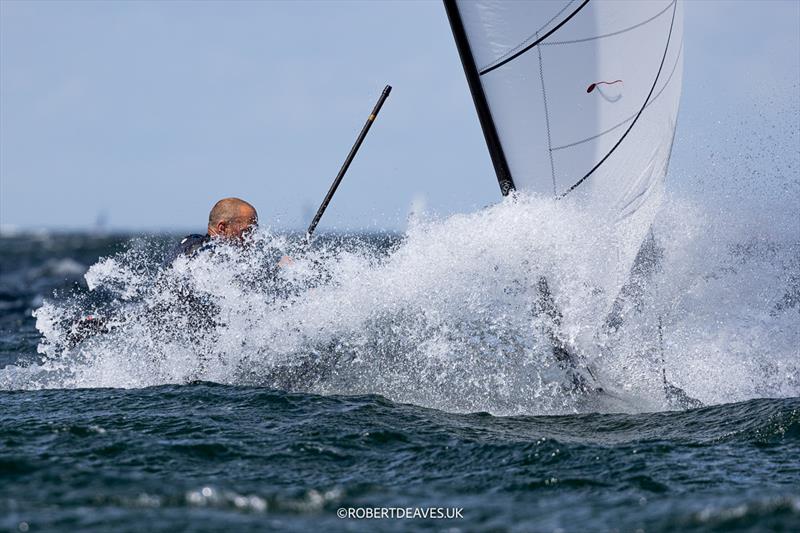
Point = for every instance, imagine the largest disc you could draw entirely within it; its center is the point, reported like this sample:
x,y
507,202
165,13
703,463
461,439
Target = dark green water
x,y
211,457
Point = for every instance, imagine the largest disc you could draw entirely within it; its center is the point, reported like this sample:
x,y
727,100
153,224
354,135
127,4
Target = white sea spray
x,y
446,316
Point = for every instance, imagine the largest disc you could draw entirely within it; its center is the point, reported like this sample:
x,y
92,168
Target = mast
x,y
479,98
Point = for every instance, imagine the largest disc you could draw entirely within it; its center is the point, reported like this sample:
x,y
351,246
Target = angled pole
x,y
347,162
499,161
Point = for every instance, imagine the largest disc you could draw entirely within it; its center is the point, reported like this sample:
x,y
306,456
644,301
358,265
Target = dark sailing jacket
x,y
188,246
198,307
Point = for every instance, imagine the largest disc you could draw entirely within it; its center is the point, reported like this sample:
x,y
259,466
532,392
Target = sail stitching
x,y
651,19
652,100
534,43
639,114
547,123
534,36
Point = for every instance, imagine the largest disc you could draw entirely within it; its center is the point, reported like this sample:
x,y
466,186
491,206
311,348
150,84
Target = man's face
x,y
238,227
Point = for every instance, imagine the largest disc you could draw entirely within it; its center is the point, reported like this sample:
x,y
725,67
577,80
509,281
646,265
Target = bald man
x,y
229,220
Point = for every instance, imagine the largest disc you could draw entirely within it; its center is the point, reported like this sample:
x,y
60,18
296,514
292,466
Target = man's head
x,y
231,218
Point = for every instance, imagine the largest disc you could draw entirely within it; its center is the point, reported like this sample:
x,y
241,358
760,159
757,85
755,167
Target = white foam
x,y
446,318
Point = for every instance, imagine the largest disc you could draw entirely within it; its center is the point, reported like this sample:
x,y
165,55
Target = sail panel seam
x,y
536,42
547,123
639,114
652,100
534,36
612,34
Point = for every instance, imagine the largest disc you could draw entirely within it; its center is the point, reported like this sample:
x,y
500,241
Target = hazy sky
x,y
150,111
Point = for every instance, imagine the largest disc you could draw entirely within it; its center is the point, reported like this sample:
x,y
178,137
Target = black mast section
x,y
479,97
347,161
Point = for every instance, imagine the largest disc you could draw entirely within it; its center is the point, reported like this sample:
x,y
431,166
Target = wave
x,y
443,316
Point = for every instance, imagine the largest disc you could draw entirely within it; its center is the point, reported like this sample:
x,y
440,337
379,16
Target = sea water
x,y
403,371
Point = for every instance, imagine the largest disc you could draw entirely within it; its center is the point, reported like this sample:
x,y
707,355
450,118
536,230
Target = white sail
x,y
578,99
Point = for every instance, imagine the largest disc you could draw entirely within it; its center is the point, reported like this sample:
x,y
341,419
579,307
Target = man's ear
x,y
221,225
